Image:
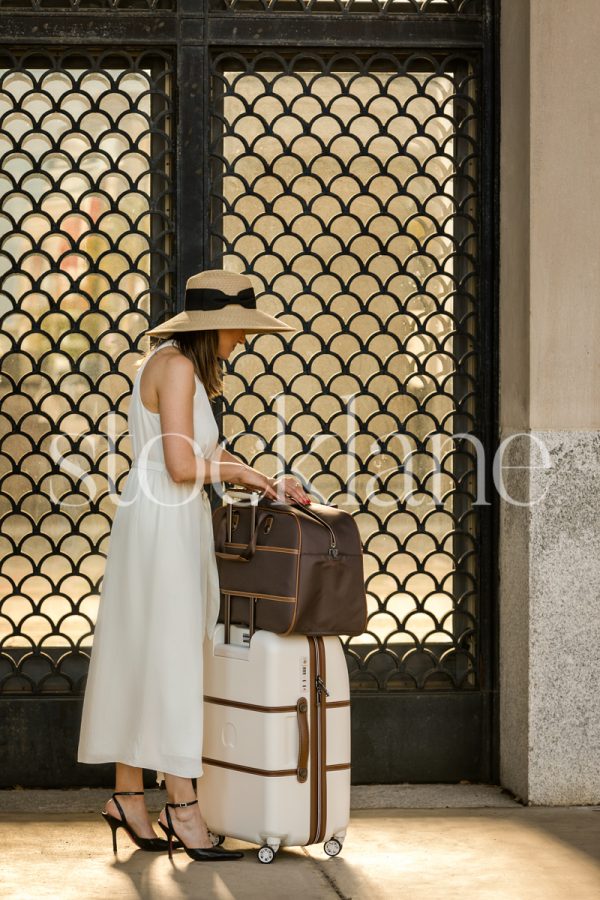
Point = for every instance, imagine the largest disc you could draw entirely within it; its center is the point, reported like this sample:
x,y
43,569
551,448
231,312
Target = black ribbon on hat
x,y
207,299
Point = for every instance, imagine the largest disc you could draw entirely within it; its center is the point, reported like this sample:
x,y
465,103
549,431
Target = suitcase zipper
x,y
320,688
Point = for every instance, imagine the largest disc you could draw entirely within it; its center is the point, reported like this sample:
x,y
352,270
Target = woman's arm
x,y
176,404
176,409
240,469
285,485
224,456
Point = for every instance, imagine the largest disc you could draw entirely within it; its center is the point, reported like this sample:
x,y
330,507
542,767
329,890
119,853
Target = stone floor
x,y
408,841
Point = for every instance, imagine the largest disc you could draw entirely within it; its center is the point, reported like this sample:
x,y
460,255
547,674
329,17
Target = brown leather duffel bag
x,y
289,569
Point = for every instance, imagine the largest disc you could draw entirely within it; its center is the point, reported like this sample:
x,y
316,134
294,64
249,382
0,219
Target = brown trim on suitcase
x,y
239,704
323,769
248,769
314,787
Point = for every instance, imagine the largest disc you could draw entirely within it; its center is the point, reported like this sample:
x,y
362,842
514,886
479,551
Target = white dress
x,y
143,701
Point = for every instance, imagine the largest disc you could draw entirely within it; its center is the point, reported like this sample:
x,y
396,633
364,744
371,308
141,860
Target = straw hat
x,y
217,298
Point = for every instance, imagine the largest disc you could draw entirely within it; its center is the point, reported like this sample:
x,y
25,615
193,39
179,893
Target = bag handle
x,y
247,554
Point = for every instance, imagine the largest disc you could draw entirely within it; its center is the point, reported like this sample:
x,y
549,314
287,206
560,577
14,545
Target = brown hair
x,y
201,347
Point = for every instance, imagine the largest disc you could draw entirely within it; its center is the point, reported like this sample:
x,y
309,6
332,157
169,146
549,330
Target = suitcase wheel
x,y
217,839
266,854
332,847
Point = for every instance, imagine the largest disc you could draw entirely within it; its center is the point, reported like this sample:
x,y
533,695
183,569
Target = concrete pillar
x,y
550,392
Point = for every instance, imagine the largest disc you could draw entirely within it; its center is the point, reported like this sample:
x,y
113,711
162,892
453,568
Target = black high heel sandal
x,y
197,853
154,844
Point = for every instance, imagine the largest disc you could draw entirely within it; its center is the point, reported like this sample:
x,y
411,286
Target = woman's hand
x,y
289,488
285,488
258,481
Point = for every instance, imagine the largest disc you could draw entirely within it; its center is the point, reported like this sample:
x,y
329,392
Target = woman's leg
x,y
187,820
130,778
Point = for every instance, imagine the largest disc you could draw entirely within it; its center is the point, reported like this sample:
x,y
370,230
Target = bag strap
x,y
247,554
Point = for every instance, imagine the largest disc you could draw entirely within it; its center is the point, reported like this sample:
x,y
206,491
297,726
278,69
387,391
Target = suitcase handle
x,y
227,623
302,713
246,556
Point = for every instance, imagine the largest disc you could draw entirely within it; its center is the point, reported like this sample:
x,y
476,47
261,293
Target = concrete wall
x,y
549,389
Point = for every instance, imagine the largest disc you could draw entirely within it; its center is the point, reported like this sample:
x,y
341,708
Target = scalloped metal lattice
x,y
406,7
414,7
347,187
89,5
85,262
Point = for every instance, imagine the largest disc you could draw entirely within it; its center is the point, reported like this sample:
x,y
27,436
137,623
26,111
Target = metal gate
x,y
344,154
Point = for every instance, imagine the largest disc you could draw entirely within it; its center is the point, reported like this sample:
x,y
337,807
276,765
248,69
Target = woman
x,y
143,704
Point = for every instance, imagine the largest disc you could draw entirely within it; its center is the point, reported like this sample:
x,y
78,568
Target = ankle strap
x,y
123,794
189,803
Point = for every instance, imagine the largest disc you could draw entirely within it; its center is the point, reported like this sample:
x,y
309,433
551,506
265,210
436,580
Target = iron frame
x,y
461,729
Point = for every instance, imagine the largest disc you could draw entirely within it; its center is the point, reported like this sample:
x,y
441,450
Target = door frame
x,y
43,729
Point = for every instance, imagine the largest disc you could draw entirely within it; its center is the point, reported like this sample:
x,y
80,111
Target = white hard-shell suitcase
x,y
276,746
